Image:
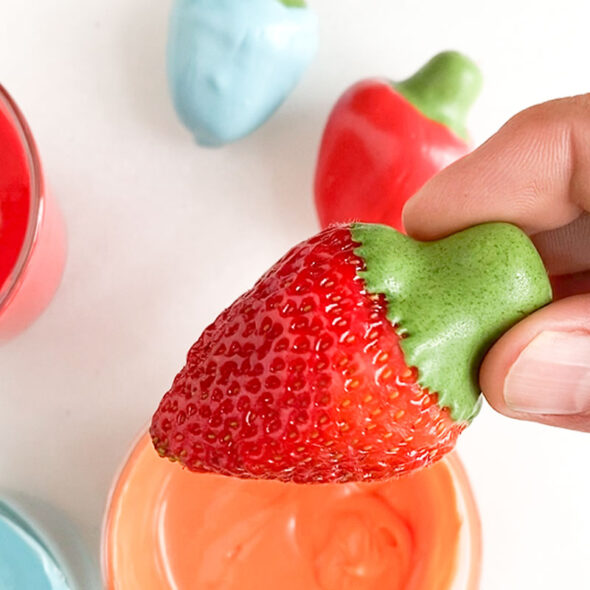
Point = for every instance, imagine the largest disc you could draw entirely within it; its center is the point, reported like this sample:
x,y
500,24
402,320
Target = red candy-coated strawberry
x,y
384,140
308,377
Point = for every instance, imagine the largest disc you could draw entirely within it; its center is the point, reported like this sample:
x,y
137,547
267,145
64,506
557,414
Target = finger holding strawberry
x,y
354,358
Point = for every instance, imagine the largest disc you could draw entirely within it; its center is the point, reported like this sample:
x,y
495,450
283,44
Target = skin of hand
x,y
534,172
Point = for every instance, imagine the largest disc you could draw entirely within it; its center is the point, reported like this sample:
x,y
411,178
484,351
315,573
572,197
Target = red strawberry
x,y
384,140
305,378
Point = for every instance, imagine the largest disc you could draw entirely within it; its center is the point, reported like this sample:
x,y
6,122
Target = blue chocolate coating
x,y
26,563
231,63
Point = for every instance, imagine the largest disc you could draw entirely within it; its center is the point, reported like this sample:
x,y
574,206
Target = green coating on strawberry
x,y
444,89
451,299
293,3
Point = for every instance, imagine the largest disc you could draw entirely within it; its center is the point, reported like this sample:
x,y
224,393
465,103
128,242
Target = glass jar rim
x,y
35,196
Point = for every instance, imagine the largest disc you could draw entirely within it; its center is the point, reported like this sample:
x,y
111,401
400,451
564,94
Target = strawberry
x,y
352,358
232,63
384,140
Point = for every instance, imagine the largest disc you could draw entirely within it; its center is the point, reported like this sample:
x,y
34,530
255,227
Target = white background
x,y
164,234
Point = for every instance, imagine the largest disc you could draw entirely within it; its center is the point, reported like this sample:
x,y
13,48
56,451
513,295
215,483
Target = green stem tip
x,y
293,3
451,299
444,89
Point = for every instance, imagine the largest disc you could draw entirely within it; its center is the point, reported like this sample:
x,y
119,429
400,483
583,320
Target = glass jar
x,y
168,529
40,549
32,232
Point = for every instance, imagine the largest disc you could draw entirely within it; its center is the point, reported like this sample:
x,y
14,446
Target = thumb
x,y
540,369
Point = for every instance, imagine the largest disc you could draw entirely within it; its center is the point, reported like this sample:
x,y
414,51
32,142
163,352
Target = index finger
x,y
534,172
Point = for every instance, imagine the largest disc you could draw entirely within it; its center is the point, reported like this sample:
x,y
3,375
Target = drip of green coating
x,y
444,89
293,3
451,299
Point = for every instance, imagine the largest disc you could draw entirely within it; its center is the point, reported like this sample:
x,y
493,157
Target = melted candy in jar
x,y
168,529
32,233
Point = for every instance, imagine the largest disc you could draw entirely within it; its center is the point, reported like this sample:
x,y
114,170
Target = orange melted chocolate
x,y
169,529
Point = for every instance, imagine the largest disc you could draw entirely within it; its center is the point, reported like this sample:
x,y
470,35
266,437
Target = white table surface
x,y
164,234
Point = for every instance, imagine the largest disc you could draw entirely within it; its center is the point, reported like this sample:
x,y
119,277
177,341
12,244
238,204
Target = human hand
x,y
534,172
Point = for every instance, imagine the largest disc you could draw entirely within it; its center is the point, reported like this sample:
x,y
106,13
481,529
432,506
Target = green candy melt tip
x,y
451,299
293,3
444,89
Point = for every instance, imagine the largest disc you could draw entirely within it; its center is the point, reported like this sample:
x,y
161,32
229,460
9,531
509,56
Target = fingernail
x,y
551,375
